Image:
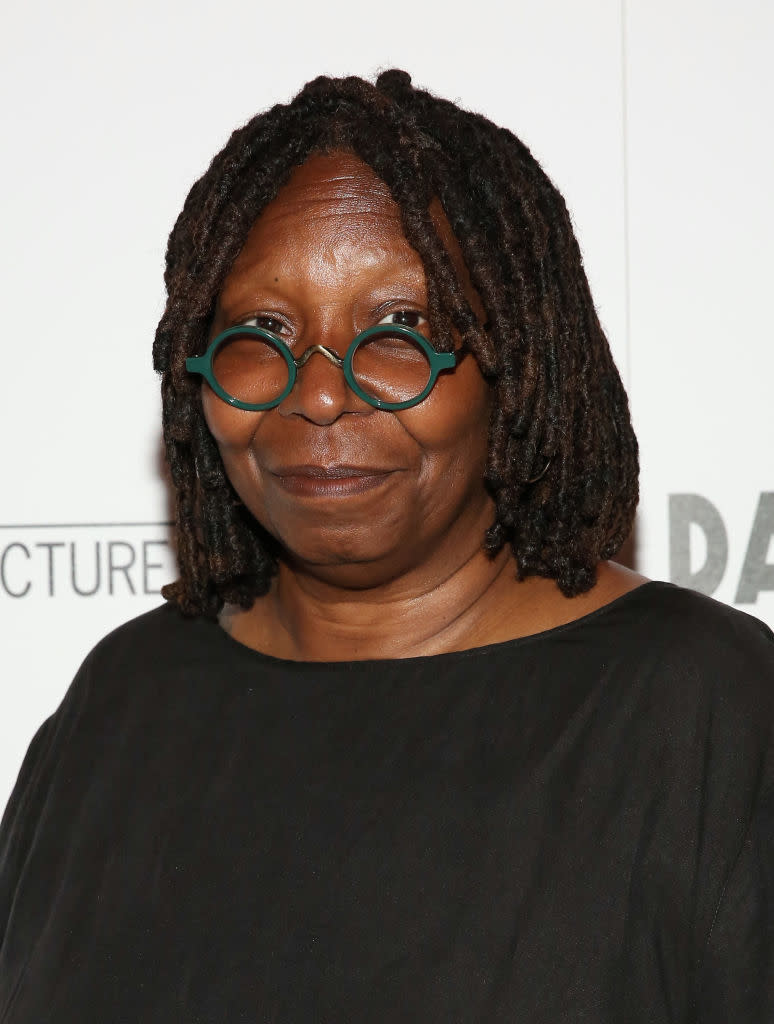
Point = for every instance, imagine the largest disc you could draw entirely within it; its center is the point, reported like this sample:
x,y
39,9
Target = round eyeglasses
x,y
389,366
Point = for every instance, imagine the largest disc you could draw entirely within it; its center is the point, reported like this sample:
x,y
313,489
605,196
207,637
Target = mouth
x,y
330,481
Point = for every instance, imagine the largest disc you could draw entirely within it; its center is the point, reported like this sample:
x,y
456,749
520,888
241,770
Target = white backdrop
x,y
654,118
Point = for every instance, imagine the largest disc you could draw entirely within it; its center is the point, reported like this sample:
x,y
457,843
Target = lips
x,y
334,472
338,480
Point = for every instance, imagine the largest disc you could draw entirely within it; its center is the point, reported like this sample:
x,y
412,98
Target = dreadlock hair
x,y
562,461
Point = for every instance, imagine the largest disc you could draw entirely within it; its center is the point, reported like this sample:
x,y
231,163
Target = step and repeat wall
x,y
653,117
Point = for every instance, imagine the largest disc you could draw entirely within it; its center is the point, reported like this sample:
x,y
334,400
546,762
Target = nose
x,y
321,393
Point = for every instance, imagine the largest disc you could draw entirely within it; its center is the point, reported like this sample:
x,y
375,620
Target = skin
x,y
383,555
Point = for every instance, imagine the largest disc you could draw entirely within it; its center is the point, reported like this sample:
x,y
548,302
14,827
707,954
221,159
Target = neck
x,y
475,601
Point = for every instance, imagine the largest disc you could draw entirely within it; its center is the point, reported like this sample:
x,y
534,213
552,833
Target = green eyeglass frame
x,y
438,361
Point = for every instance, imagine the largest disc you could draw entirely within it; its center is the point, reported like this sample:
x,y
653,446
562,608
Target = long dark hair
x,y
560,413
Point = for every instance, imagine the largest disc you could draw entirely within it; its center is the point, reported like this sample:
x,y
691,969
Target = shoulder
x,y
671,623
161,638
707,669
142,668
151,659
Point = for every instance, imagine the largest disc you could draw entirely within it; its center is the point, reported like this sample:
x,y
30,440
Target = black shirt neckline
x,y
447,657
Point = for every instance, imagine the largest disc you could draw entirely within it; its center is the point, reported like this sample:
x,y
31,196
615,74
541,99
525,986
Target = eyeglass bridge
x,y
324,351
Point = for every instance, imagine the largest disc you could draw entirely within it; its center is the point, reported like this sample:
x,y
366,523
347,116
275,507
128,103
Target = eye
x,y
266,322
405,318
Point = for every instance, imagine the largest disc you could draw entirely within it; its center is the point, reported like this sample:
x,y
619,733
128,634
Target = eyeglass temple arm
x,y
196,364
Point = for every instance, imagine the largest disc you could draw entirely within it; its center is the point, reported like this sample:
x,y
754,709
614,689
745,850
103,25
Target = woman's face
x,y
356,496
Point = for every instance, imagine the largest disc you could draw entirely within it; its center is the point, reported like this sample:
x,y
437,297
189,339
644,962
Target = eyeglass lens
x,y
250,369
388,368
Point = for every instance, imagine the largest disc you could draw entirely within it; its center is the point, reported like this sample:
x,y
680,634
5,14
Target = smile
x,y
330,481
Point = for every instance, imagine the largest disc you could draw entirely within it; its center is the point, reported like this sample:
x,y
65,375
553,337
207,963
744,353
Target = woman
x,y
403,744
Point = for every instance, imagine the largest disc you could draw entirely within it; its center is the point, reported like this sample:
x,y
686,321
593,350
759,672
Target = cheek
x,y
231,428
453,422
234,433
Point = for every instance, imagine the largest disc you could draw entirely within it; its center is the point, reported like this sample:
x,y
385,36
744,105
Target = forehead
x,y
332,185
335,209
328,198
332,224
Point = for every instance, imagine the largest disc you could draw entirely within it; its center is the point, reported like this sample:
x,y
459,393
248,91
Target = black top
x,y
574,826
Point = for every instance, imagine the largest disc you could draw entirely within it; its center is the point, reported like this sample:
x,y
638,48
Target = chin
x,y
331,541
338,552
